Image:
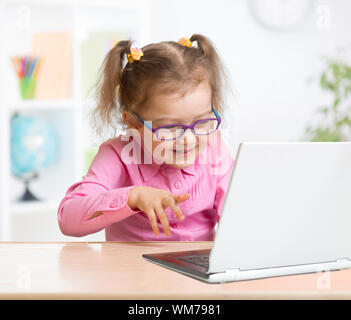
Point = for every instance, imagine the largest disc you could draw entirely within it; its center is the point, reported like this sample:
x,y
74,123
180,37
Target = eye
x,y
171,127
171,132
202,123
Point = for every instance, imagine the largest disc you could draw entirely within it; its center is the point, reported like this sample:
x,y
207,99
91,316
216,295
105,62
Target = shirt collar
x,y
190,170
148,170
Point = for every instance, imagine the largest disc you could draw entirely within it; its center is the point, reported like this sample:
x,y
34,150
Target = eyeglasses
x,y
176,130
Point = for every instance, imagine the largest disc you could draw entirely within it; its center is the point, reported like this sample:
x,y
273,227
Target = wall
x,y
273,97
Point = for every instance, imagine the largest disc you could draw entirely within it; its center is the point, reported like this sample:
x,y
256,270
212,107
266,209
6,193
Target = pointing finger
x,y
164,220
153,221
181,197
170,202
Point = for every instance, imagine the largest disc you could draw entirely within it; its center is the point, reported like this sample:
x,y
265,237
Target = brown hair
x,y
165,67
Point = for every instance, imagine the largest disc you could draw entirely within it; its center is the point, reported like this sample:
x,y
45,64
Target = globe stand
x,y
28,195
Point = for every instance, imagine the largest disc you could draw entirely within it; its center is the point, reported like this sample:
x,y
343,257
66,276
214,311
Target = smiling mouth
x,y
184,151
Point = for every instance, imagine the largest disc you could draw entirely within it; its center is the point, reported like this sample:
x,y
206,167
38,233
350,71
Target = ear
x,y
131,121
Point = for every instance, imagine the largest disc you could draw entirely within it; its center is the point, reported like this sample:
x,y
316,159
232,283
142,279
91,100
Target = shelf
x,y
69,116
43,105
118,4
34,206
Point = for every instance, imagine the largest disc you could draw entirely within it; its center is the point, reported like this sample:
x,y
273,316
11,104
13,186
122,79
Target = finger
x,y
181,197
170,202
179,213
163,219
153,221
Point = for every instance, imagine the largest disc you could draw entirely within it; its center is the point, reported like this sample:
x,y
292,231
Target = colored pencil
x,y
23,70
26,67
17,65
32,67
37,66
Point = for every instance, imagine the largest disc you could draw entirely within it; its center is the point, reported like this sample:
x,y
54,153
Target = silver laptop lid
x,y
287,204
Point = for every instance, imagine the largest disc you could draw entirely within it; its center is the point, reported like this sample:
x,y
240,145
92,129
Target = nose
x,y
188,138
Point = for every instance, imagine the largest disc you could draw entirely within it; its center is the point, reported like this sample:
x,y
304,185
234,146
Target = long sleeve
x,y
100,199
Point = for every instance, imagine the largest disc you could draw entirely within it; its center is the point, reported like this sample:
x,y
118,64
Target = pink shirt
x,y
109,180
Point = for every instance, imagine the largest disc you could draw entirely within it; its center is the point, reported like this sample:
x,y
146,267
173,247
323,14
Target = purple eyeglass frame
x,y
185,127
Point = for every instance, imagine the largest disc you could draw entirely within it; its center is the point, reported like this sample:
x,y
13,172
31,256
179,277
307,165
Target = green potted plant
x,y
335,124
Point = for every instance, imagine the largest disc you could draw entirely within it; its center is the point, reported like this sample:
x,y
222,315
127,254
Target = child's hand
x,y
153,202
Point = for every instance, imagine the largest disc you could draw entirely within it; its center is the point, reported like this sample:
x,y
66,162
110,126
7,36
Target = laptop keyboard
x,y
199,260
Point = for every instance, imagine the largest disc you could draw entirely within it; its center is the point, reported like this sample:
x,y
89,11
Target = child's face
x,y
163,109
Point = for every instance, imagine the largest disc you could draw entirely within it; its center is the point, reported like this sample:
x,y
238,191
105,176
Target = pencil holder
x,y
27,87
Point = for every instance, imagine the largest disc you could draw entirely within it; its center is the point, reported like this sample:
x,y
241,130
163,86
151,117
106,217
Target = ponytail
x,y
109,81
214,66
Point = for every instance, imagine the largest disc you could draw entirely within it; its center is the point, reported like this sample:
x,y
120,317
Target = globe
x,y
33,147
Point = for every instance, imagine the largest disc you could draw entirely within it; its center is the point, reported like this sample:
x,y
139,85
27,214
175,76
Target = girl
x,y
159,181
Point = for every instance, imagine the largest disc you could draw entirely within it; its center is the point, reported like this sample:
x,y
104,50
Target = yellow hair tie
x,y
185,42
135,54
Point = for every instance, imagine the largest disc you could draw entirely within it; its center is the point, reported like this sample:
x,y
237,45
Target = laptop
x,y
287,211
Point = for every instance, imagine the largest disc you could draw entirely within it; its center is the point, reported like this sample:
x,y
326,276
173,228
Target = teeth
x,y
185,151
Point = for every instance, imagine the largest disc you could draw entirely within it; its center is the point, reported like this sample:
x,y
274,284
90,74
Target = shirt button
x,y
177,184
113,204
